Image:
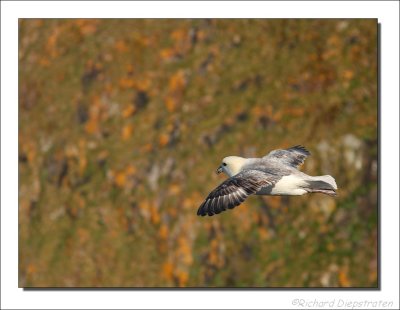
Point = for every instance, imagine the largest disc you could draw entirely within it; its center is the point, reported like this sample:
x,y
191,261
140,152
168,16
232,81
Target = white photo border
x,y
12,297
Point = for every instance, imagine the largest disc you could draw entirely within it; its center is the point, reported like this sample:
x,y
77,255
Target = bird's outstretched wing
x,y
294,156
233,191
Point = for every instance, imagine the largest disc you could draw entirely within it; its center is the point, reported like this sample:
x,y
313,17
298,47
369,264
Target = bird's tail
x,y
322,184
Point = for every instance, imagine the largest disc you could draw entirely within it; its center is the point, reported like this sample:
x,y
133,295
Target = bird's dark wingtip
x,y
301,148
202,211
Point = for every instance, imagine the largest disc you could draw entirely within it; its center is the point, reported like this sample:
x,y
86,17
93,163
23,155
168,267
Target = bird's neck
x,y
236,166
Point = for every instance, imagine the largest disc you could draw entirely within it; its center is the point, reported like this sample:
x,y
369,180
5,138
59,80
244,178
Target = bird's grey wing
x,y
233,191
294,156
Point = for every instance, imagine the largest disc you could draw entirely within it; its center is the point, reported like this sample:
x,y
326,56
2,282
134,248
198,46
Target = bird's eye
x,y
224,164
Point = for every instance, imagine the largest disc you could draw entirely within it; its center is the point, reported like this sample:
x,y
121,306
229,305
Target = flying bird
x,y
274,174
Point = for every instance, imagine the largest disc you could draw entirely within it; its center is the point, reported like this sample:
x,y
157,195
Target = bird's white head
x,y
231,165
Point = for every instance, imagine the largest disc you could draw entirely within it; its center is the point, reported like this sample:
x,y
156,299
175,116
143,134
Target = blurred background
x,y
122,124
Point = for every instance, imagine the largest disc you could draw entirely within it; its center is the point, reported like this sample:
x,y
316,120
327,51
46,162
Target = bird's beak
x,y
219,170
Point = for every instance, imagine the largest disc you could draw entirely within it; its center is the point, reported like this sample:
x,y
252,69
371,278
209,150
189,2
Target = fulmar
x,y
274,174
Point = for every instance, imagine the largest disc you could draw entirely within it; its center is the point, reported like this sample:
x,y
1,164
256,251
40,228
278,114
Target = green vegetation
x,y
122,124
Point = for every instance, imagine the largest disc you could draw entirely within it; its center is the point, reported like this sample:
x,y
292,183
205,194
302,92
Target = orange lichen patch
x,y
348,74
213,258
254,217
44,61
80,202
121,46
83,235
143,84
329,54
179,35
170,126
73,211
126,83
31,152
269,110
24,209
108,88
367,121
243,213
98,66
373,275
102,155
177,81
82,163
60,77
130,170
92,126
123,221
162,247
175,189
170,103
167,53
130,69
184,250
258,111
145,207
31,269
334,40
313,57
189,203
168,270
355,52
277,116
263,232
144,40
87,26
51,44
264,110
163,232
193,201
71,151
154,216
295,111
274,202
163,139
82,157
213,255
201,35
126,132
173,212
113,233
120,179
343,279
183,278
148,147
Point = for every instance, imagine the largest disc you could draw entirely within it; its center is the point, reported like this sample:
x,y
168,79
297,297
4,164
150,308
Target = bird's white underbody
x,y
287,185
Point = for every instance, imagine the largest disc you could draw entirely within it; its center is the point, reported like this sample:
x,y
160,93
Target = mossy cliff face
x,y
122,124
